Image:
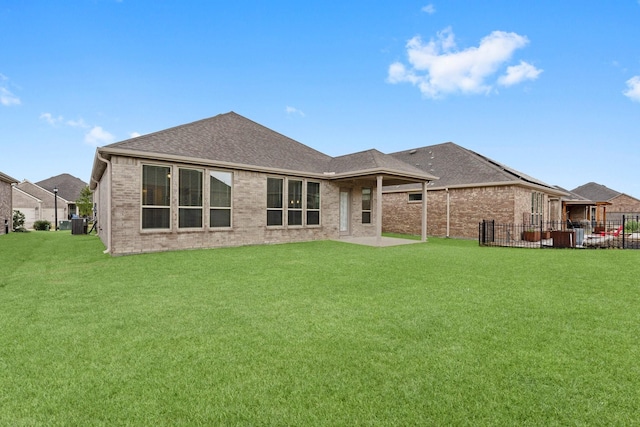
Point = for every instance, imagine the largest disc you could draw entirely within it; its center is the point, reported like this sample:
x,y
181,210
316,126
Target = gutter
x,y
108,171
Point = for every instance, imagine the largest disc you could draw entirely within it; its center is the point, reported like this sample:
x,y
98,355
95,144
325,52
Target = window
x,y
313,203
415,197
536,208
294,208
366,205
190,198
274,201
156,197
220,199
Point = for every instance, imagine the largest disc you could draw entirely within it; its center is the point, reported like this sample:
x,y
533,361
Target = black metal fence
x,y
618,234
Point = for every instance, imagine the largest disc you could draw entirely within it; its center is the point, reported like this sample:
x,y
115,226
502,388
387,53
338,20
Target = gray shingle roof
x,y
235,140
458,166
230,138
596,192
69,187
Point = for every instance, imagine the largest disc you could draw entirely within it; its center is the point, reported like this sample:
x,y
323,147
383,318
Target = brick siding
x,y
248,213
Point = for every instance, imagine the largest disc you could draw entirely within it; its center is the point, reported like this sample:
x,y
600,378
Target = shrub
x,y
18,221
42,225
632,227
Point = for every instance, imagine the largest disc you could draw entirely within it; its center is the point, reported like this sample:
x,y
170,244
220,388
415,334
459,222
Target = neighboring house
x,y
614,204
37,203
6,203
228,181
470,188
578,211
37,200
69,188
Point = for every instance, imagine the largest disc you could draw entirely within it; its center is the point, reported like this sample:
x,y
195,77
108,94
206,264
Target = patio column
x,y
424,211
379,210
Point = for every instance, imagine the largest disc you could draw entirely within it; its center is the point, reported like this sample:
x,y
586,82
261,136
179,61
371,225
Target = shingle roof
x,y
69,187
235,140
458,166
230,138
596,192
370,160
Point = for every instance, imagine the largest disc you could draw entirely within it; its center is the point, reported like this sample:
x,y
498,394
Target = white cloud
x,y
430,9
438,68
6,97
292,110
77,123
49,118
633,91
98,136
519,73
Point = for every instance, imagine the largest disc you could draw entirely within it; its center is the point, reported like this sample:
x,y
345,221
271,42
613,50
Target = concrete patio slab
x,y
373,241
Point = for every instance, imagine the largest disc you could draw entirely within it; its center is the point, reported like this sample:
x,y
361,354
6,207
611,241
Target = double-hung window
x,y
366,205
274,201
156,197
190,198
313,203
220,186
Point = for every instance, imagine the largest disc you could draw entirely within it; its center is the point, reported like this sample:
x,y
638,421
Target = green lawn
x,y
320,333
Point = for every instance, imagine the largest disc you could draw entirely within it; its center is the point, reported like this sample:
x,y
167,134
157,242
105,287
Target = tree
x,y
85,202
18,221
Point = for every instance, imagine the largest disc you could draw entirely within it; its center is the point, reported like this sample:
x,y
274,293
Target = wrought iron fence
x,y
618,234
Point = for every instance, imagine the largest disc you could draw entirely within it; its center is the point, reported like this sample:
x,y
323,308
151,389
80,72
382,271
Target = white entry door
x,y
345,199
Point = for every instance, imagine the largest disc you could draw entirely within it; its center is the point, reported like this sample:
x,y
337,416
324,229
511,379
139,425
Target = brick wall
x,y
624,203
6,211
248,213
467,208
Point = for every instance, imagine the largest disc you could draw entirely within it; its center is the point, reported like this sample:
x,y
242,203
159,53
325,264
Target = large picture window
x,y
220,198
190,198
313,203
156,197
537,208
274,201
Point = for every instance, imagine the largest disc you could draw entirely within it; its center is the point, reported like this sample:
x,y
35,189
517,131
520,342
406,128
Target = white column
x,y
379,209
424,211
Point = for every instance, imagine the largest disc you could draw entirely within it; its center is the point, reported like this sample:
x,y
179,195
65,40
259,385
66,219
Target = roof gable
x,y
7,178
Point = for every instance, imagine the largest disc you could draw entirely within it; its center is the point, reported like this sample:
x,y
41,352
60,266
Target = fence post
x,y
624,226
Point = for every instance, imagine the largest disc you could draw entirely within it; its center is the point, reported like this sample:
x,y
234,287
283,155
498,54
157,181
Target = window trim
x,y
201,207
211,208
169,206
415,200
366,211
285,209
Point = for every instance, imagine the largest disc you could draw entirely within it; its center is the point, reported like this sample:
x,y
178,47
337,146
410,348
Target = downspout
x,y
448,211
108,171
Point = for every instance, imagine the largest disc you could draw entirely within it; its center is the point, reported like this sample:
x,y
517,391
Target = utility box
x,y
564,239
78,226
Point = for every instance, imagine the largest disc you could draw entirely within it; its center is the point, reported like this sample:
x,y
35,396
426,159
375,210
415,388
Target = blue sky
x,y
551,88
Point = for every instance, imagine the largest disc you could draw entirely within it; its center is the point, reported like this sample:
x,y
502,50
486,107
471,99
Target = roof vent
x,y
413,151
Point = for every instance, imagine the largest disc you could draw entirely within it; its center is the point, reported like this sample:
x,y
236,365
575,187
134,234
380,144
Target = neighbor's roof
x,y
457,166
596,192
231,140
7,178
69,187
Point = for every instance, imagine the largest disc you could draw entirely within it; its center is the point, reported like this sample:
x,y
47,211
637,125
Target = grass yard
x,y
320,333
